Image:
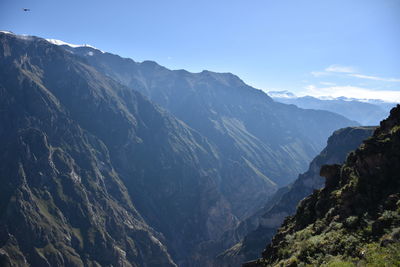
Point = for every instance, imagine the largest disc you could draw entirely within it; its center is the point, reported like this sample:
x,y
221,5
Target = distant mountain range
x,y
367,112
106,161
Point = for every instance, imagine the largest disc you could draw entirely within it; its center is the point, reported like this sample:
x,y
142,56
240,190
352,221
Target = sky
x,y
321,48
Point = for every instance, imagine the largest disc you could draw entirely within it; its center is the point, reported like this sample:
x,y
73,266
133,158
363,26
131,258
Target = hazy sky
x,y
319,47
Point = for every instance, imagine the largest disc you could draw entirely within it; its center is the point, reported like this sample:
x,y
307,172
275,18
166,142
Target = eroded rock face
x,y
62,201
254,233
354,220
95,174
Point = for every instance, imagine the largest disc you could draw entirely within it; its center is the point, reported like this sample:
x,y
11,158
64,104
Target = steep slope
x,y
254,135
259,229
364,113
88,165
62,202
355,218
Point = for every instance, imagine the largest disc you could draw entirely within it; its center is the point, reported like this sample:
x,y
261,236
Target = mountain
x,y
248,128
63,203
363,112
95,173
355,219
258,229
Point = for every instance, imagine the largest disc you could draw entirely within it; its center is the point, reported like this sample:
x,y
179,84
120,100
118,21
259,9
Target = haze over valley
x,y
199,134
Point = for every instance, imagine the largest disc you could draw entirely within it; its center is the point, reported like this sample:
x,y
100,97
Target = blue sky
x,y
329,47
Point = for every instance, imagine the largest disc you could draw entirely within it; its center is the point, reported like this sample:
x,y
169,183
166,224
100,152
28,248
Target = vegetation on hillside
x,y
355,219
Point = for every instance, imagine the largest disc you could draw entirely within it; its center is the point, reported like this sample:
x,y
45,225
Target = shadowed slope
x,y
116,164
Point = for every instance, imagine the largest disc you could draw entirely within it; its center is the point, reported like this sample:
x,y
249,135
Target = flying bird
x,y
26,9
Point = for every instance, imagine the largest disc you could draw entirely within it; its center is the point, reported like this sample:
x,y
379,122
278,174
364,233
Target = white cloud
x,y
319,73
339,68
333,70
352,92
347,71
328,83
375,78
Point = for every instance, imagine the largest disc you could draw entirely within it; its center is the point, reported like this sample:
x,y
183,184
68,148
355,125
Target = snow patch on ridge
x,y
281,94
59,42
52,41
